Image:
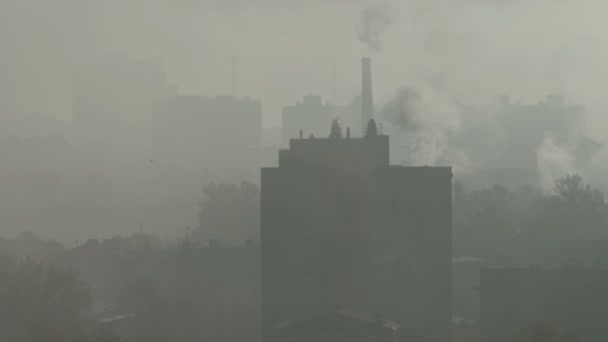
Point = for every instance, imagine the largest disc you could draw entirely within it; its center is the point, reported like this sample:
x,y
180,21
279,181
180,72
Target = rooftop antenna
x,y
234,83
333,81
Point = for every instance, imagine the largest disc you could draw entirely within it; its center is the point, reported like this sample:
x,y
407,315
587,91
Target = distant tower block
x,y
234,83
367,98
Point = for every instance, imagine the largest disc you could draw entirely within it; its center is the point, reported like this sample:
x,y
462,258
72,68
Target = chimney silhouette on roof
x,y
371,130
336,130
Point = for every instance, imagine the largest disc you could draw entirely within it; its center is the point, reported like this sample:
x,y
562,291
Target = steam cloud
x,y
403,110
433,128
553,161
428,118
374,20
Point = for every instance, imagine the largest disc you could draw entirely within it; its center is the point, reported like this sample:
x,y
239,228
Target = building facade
x,y
341,227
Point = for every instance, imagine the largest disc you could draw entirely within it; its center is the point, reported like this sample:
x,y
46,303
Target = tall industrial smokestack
x,y
234,83
333,81
367,99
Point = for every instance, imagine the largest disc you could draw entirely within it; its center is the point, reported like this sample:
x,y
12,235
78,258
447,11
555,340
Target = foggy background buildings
x,y
87,75
136,131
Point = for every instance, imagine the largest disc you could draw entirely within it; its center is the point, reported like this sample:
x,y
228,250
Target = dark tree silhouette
x,y
543,332
153,314
229,213
526,224
575,210
41,303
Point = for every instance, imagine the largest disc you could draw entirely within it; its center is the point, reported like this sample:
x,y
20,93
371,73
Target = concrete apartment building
x,y
342,228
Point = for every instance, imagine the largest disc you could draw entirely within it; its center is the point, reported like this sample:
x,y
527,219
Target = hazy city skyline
x,y
472,51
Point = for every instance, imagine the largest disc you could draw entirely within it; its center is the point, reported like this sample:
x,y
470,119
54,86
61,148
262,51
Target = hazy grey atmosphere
x,y
206,170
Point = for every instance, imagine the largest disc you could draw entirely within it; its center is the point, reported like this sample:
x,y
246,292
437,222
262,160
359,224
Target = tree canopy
x,y
41,303
526,223
229,212
543,332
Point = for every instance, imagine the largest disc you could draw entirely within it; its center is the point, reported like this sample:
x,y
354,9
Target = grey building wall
x,y
343,228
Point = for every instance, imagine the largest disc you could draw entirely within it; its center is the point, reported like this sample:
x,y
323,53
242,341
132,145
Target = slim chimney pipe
x,y
234,81
367,98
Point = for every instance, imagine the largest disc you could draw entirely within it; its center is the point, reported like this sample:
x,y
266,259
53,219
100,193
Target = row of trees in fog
x,y
229,212
543,332
528,223
42,303
497,223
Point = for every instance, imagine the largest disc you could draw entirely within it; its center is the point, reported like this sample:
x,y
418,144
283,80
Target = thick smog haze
x,y
474,50
296,171
449,54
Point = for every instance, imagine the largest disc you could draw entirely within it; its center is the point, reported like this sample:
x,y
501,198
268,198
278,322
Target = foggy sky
x,y
477,49
448,52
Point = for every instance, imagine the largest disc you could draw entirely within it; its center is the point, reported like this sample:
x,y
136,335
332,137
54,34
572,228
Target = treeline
x,y
229,212
530,225
500,224
43,303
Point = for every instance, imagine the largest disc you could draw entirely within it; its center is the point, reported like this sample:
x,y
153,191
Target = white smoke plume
x,y
553,161
426,118
374,20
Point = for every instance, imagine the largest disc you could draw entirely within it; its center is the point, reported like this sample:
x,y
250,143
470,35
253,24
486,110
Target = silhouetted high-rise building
x,y
341,227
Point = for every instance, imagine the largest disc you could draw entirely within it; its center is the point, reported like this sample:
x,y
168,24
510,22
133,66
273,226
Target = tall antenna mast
x,y
333,81
234,83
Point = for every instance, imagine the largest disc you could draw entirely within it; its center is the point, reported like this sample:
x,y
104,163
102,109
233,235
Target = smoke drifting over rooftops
x,y
425,117
403,110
